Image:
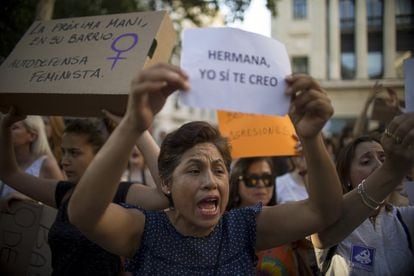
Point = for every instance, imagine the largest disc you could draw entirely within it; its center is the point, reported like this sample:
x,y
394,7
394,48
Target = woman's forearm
x,y
150,150
98,185
324,187
361,121
377,186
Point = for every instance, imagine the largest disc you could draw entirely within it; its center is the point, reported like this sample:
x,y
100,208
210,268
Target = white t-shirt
x,y
287,189
33,169
379,250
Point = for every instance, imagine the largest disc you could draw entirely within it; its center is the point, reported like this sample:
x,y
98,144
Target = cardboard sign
x,y
78,66
257,135
235,70
409,84
24,249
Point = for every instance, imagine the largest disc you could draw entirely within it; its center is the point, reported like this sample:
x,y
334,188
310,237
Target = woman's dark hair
x,y
344,160
89,129
345,134
187,136
240,169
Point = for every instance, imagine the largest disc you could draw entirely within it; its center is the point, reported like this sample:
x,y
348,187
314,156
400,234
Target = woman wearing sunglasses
x,y
252,181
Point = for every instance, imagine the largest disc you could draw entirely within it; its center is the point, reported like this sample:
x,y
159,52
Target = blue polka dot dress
x,y
228,250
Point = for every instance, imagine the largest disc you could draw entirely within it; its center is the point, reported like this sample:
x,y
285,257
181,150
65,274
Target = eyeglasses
x,y
252,181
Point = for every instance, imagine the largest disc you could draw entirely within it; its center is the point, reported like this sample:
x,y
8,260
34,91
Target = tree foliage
x,y
193,10
17,15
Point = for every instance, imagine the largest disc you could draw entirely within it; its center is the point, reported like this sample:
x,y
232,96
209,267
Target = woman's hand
x,y
8,119
398,142
149,91
393,100
310,107
374,92
7,201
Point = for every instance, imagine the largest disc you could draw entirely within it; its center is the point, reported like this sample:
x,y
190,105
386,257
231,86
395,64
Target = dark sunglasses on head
x,y
252,180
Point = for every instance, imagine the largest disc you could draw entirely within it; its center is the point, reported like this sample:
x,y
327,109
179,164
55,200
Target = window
x,y
347,14
404,10
299,9
404,19
347,26
348,65
405,40
374,13
375,65
300,65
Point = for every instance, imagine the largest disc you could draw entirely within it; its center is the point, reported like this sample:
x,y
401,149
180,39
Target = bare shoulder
x,y
147,197
50,169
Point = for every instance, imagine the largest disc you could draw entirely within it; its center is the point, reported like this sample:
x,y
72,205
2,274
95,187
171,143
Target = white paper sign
x,y
235,70
409,84
409,190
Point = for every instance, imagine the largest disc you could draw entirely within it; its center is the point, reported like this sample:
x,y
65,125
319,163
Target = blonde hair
x,y
40,146
57,126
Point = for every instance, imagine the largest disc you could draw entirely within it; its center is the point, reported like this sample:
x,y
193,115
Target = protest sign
x,y
409,84
24,248
78,66
257,135
235,70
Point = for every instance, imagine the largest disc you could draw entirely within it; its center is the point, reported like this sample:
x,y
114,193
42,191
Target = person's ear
x,y
33,136
166,187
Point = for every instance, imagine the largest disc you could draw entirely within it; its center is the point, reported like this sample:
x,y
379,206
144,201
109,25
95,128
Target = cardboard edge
x,y
168,35
63,104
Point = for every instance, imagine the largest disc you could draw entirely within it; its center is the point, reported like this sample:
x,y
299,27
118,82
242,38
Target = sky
x,y
256,18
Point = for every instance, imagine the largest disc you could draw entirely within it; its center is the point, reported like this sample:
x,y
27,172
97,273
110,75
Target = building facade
x,y
347,45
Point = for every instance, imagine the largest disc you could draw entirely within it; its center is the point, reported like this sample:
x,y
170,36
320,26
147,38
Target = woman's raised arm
x,y
398,144
113,227
310,110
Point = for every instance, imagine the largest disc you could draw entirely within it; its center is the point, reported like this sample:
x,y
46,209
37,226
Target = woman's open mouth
x,y
208,206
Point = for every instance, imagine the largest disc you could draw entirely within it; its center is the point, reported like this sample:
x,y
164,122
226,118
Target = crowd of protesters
x,y
186,210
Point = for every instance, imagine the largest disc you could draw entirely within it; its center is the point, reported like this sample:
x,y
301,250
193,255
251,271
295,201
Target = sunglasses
x,y
252,181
